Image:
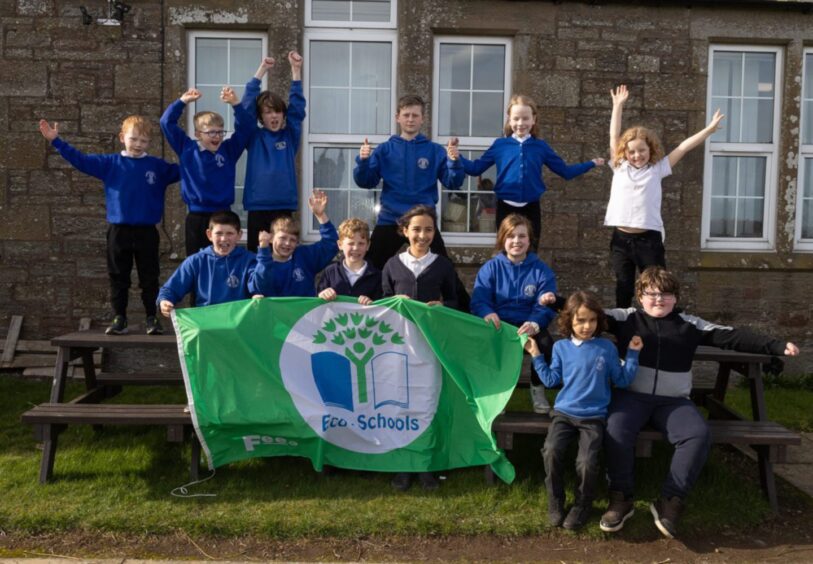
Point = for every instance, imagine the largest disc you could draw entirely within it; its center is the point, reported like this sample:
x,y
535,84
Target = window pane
x,y
752,175
244,58
336,208
757,124
332,10
808,187
332,167
210,102
727,79
455,214
807,126
329,110
489,67
730,107
370,112
372,64
453,112
455,66
363,204
738,196
749,218
807,219
371,11
722,217
211,65
759,75
330,63
487,114
724,176
484,183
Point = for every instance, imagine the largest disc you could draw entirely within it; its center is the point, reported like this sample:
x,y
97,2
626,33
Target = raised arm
x,y
176,137
688,144
619,96
366,174
295,60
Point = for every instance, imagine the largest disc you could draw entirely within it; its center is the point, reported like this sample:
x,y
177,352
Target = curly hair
x,y
353,226
656,151
521,100
659,278
578,300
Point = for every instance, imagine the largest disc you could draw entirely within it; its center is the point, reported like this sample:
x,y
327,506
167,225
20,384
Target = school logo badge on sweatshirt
x,y
529,290
150,177
280,145
220,160
423,163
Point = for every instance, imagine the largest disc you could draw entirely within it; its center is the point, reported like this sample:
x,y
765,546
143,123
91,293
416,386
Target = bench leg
x,y
194,468
50,434
489,475
766,477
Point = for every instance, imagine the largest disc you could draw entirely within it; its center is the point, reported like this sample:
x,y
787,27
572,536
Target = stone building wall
x,y
566,55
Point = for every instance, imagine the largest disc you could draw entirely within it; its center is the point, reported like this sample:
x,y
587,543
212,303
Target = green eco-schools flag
x,y
397,386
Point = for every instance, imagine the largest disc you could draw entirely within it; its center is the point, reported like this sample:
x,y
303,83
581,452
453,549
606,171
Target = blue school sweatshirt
x,y
134,188
207,178
585,372
297,275
215,279
411,170
512,290
519,167
271,167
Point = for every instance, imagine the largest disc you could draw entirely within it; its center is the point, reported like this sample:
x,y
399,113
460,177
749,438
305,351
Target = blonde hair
x,y
137,123
521,100
286,224
202,119
507,227
656,151
352,226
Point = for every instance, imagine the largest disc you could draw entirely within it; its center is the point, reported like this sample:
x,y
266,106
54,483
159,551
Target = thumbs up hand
x,y
366,150
451,149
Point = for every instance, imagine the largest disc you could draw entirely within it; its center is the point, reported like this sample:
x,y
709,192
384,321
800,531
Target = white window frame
x,y
468,143
391,24
311,140
194,35
805,152
768,150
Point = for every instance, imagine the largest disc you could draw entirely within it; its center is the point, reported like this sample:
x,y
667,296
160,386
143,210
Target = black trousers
x,y
125,244
531,211
195,231
387,240
629,251
261,220
563,429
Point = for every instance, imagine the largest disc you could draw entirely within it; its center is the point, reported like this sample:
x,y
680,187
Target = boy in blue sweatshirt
x,y
585,365
284,268
271,188
352,275
218,274
208,162
134,184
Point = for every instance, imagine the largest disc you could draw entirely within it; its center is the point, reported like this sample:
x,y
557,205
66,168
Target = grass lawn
x,y
787,406
119,480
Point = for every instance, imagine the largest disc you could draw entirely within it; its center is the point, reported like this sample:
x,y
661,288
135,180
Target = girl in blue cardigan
x,y
519,157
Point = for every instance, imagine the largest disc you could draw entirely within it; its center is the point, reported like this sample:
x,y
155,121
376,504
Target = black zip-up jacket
x,y
368,284
665,363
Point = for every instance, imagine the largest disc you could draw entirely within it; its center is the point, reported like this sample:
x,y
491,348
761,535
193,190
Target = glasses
x,y
665,296
213,133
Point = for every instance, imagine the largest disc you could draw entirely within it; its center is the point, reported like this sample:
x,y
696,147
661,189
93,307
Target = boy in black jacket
x,y
659,395
352,276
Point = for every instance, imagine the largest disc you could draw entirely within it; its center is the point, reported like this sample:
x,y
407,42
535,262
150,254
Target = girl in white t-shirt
x,y
638,163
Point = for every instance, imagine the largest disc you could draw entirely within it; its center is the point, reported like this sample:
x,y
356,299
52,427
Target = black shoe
x,y
577,516
402,481
428,481
621,508
118,326
153,326
556,512
667,514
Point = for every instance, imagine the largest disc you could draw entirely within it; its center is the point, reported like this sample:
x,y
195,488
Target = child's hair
x,y
271,101
416,211
656,151
286,224
202,119
224,217
507,226
572,305
411,100
350,227
139,124
657,277
521,100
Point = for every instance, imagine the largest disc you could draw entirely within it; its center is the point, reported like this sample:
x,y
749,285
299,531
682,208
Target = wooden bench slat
x,y
138,378
99,414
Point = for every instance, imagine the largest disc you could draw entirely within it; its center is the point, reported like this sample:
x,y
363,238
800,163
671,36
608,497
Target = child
x,y
659,395
519,157
411,167
208,163
270,188
585,365
134,185
353,276
507,288
635,197
421,275
286,269
218,274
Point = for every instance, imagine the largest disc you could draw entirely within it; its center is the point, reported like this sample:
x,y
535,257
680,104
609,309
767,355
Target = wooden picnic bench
x,y
768,439
50,419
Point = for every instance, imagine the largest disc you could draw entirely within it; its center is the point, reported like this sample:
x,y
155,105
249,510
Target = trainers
x,y
153,326
428,481
402,481
617,513
556,512
577,516
667,513
118,326
539,400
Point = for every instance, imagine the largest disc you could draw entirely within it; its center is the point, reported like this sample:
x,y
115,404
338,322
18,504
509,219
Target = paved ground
x,y
798,470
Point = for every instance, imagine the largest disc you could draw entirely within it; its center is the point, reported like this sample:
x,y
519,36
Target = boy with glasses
x,y
208,162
